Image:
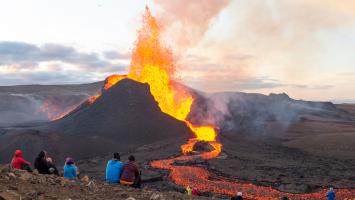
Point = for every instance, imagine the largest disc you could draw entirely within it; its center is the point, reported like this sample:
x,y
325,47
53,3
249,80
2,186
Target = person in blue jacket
x,y
70,170
330,194
113,169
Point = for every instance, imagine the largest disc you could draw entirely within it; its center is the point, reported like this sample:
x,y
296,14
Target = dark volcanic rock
x,y
202,146
123,118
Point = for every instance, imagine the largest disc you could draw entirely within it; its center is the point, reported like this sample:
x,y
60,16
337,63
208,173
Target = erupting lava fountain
x,y
154,64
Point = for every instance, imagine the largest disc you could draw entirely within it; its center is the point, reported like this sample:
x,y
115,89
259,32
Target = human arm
x,y
23,161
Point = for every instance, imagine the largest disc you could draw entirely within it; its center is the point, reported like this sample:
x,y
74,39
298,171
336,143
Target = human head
x,y
131,158
49,160
18,153
69,161
331,188
239,194
42,154
116,156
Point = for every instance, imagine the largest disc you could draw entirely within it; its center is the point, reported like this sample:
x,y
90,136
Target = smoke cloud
x,y
188,21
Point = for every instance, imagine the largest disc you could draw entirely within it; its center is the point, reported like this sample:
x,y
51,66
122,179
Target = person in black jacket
x,y
41,163
52,168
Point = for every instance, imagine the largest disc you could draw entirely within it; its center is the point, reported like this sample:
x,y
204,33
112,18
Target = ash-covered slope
x,y
127,112
124,118
31,103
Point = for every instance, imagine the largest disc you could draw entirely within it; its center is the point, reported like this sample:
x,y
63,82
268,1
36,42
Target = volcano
x,y
251,137
123,118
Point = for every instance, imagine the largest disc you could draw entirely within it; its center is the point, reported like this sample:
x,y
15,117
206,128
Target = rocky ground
x,y
19,184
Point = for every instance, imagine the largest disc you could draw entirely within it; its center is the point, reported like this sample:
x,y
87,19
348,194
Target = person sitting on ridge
x,y
52,168
41,163
18,162
130,173
114,169
330,194
70,170
238,196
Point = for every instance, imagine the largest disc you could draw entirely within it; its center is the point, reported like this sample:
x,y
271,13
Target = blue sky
x,y
302,47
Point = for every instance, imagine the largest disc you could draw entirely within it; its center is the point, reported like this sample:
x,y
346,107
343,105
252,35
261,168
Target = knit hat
x,y
69,161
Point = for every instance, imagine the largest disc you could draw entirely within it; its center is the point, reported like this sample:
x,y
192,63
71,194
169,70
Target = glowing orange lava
x,y
112,80
109,82
154,64
205,181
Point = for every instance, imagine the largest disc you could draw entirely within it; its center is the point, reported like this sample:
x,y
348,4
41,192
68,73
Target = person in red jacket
x,y
18,162
130,175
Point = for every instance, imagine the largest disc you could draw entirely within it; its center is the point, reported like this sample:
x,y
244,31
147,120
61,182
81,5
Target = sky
x,y
305,48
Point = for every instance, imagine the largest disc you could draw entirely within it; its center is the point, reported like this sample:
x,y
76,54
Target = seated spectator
x,y
130,175
114,169
41,163
70,170
18,162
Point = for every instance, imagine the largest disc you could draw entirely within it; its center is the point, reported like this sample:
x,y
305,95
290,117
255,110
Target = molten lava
x,y
154,64
205,181
109,82
112,80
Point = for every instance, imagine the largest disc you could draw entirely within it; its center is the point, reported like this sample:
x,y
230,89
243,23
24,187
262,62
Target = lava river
x,y
204,181
154,64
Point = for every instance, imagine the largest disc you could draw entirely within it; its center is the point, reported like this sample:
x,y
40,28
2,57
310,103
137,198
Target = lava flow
x,y
153,63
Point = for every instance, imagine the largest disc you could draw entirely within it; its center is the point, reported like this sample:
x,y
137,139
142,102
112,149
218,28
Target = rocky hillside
x,y
19,184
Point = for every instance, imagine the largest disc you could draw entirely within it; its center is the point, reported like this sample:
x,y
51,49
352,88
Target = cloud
x,y
116,55
29,54
25,63
312,87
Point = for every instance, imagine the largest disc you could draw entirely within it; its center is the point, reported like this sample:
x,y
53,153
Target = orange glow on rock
x,y
112,80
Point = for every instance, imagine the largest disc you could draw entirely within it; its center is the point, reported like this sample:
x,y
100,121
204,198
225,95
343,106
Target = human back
x,y
41,164
70,170
114,169
130,173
